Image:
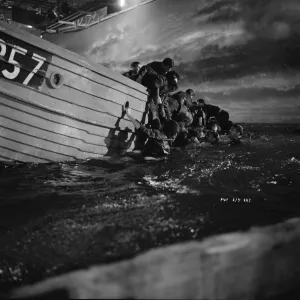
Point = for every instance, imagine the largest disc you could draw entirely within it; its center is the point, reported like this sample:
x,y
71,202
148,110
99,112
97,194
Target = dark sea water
x,y
64,216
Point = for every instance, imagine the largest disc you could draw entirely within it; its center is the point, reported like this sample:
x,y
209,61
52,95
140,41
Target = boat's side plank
x,y
83,114
79,90
73,127
29,130
68,55
90,87
108,82
9,126
8,118
17,147
83,100
48,147
58,133
8,154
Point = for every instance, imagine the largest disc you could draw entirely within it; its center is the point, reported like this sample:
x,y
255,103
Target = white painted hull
x,y
80,119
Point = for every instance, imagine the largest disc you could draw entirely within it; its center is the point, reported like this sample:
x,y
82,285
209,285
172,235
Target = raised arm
x,y
127,110
152,133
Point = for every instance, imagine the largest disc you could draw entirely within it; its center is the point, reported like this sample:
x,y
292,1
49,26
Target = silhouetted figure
x,y
133,73
159,137
221,116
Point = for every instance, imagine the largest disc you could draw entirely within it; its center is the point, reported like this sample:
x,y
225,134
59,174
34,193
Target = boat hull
x,y
56,106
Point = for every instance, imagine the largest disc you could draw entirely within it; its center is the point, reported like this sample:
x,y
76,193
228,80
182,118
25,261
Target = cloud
x,y
272,19
277,82
240,54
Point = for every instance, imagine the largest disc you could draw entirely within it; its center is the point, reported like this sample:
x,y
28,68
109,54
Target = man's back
x,y
130,74
211,110
183,97
153,81
157,145
157,66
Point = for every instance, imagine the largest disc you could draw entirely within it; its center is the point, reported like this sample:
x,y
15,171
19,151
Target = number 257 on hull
x,y
21,62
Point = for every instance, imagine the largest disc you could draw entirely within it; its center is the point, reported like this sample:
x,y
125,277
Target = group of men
x,y
174,118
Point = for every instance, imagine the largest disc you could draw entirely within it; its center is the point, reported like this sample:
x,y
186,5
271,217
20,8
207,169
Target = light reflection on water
x,y
57,217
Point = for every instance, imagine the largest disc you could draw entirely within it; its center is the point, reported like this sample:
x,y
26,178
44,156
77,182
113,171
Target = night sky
x,y
241,55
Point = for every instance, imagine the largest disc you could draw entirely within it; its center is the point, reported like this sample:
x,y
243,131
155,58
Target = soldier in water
x,y
159,137
185,98
235,134
158,87
220,115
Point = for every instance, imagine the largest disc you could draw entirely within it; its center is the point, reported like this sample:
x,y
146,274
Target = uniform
x,y
156,145
130,74
171,107
156,87
184,98
221,115
157,67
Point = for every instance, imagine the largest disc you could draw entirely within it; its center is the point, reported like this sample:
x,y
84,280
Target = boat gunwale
x,y
72,57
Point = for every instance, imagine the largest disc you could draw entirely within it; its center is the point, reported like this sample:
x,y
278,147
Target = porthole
x,y
56,80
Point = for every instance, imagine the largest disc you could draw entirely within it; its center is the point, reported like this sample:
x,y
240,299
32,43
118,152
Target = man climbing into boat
x,y
156,67
133,73
220,115
185,98
158,87
159,137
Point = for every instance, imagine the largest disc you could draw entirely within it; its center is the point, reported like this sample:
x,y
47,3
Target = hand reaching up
x,y
126,108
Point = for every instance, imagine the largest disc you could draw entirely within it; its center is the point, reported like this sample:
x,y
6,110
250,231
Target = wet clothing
x,y
182,139
154,68
184,116
157,87
171,107
155,84
221,115
184,98
157,66
198,117
130,74
212,137
155,145
211,110
223,119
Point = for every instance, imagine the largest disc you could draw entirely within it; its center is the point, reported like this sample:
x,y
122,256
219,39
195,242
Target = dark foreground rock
x,y
263,263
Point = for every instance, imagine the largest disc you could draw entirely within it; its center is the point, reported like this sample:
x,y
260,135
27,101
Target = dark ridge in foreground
x,y
262,263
